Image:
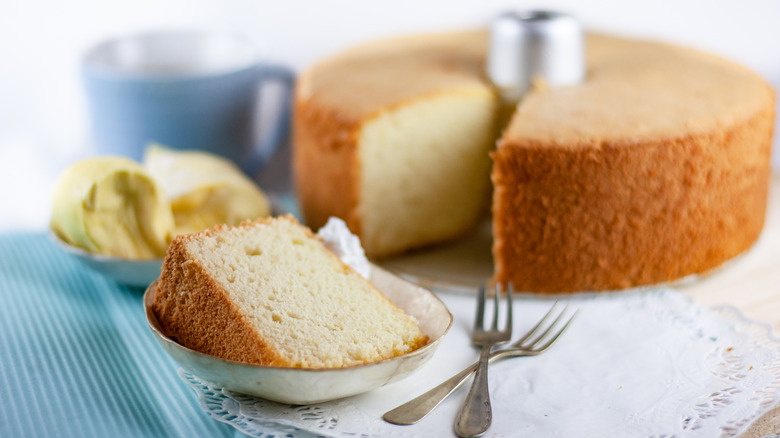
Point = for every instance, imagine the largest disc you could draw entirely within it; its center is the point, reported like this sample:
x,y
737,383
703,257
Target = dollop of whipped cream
x,y
345,245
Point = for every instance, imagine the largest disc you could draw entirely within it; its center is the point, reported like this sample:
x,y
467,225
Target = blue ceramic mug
x,y
185,90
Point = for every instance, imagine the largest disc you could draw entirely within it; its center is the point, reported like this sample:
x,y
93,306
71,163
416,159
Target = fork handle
x,y
475,414
416,409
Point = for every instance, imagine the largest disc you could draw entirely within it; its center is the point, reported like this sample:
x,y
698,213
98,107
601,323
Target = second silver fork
x,y
476,413
536,341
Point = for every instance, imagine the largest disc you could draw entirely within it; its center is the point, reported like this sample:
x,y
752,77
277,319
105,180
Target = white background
x,y
43,119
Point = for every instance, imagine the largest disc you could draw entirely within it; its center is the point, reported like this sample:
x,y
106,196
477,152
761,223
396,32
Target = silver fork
x,y
476,414
538,340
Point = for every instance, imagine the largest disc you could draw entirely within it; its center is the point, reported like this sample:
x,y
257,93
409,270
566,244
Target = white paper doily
x,y
649,364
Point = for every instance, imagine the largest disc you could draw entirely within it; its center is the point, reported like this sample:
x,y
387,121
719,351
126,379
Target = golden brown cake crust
x,y
361,82
203,317
655,168
639,91
325,152
623,215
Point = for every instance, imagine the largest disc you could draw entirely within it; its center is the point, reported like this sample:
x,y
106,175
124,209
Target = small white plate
x,y
135,273
306,386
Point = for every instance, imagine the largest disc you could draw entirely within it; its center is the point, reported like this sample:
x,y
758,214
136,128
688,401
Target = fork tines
x,y
543,335
479,326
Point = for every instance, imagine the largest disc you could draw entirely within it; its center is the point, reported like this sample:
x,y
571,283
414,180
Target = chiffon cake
x,y
654,168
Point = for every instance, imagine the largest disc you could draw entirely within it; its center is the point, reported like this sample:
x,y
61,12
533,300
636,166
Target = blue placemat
x,y
77,358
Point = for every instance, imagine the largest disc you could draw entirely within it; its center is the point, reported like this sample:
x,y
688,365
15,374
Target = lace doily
x,y
650,364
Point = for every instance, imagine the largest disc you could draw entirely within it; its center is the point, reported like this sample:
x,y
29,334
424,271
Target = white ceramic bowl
x,y
135,273
306,386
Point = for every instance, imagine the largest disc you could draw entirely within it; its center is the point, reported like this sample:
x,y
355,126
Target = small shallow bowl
x,y
300,386
134,273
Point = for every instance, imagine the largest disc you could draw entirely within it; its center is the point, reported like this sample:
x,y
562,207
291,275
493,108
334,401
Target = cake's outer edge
x,y
325,164
714,189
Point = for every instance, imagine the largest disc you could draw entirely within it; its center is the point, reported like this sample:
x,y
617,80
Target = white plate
x,y
135,273
306,386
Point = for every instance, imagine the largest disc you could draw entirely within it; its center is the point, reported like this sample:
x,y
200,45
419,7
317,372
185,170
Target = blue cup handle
x,y
276,132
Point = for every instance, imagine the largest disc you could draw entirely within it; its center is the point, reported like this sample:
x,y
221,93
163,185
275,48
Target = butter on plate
x,y
116,207
112,206
204,189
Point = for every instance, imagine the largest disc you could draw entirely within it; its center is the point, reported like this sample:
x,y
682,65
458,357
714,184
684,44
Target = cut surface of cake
x,y
655,167
268,292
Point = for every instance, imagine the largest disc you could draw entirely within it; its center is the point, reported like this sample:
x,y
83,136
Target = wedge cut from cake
x,y
268,292
654,168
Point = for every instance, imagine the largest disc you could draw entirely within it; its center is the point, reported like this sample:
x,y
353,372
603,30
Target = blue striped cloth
x,y
77,358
